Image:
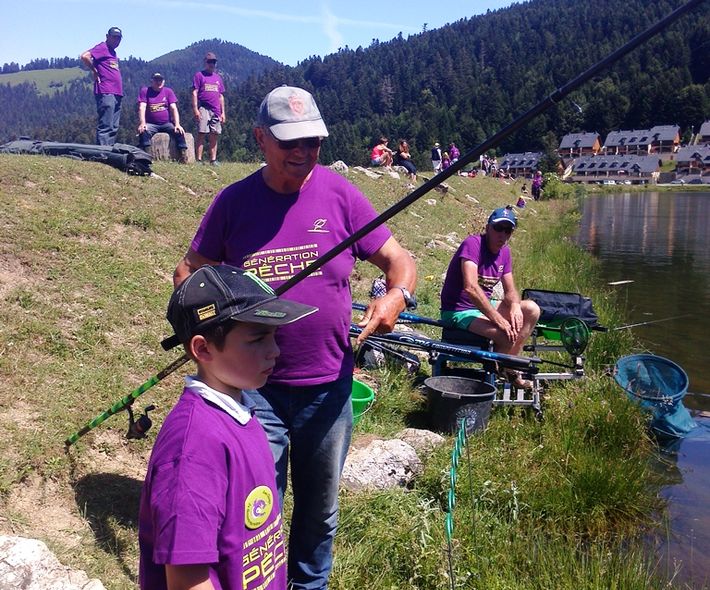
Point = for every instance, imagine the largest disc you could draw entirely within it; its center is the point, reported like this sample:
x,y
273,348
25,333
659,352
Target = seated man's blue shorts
x,y
461,320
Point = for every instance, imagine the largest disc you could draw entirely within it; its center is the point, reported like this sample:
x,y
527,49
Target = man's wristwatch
x,y
409,300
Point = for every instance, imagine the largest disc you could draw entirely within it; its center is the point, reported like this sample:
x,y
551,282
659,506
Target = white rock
x,y
382,464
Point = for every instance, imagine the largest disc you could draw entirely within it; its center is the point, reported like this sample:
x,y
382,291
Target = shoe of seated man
x,y
517,381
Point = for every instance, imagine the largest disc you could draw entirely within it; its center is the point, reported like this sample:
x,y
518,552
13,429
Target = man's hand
x,y
179,129
142,127
223,118
505,326
381,314
196,115
516,316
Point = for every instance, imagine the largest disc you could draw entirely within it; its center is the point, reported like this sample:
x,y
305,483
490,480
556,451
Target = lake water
x,y
661,242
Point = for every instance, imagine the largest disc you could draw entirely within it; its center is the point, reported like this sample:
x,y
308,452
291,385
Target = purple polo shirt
x,y
157,110
209,89
210,497
275,236
106,64
491,268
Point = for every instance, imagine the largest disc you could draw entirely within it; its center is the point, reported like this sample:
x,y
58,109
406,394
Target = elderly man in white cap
x,y
275,223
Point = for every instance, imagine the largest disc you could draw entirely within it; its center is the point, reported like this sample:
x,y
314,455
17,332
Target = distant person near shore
x,y
158,112
108,85
208,107
537,186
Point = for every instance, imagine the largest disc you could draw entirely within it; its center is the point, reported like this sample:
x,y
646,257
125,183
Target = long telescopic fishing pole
x,y
493,141
648,323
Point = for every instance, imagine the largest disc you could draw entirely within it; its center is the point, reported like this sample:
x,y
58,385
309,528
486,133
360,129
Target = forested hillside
x,y
466,80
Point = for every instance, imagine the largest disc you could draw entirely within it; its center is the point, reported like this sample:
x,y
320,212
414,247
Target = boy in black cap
x,y
210,509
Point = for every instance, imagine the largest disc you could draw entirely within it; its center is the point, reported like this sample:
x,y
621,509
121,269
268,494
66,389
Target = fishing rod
x,y
510,361
627,326
419,192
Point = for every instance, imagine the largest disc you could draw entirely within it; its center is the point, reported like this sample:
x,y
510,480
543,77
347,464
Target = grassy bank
x,y
85,273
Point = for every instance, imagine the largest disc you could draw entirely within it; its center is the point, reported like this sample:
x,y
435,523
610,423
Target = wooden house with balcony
x,y
693,164
520,165
617,168
575,145
662,140
704,133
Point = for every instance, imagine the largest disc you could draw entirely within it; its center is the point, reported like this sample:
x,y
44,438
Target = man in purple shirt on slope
x,y
467,302
157,106
108,85
208,107
275,223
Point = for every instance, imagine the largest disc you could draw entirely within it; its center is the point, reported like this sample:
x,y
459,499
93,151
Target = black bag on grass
x,y
126,158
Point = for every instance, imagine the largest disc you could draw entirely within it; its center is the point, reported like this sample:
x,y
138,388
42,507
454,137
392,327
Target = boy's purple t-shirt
x,y
106,64
491,268
276,236
157,107
209,89
210,497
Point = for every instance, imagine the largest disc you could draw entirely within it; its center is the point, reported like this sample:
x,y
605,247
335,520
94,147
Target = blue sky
x,y
286,30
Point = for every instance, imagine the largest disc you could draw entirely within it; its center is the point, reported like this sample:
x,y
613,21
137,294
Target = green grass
x,y
46,81
86,261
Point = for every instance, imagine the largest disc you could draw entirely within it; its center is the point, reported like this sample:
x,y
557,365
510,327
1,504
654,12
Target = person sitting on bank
x,y
404,159
381,155
479,264
158,113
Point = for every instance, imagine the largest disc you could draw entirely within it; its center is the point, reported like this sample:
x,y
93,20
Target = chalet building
x,y
574,145
521,165
596,169
693,163
704,133
663,140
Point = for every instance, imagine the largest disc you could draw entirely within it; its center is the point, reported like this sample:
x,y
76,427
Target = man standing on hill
x,y
208,107
157,105
436,158
108,85
275,223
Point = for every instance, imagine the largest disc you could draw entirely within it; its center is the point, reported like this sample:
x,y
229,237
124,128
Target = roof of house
x,y
694,152
705,129
524,160
579,140
642,136
615,164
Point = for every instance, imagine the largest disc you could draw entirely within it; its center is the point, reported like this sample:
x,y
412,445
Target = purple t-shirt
x,y
157,109
106,64
276,236
209,89
491,268
210,497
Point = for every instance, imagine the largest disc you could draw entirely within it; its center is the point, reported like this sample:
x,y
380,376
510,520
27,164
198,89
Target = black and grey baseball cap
x,y
291,113
214,294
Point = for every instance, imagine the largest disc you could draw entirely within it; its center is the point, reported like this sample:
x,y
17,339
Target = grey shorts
x,y
209,122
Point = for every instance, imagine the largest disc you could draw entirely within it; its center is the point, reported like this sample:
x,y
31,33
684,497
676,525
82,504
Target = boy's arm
x,y
188,577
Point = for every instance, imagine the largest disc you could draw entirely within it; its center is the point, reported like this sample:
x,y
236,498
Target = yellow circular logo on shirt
x,y
258,506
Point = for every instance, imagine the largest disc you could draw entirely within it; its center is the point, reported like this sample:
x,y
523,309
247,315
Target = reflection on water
x,y
661,242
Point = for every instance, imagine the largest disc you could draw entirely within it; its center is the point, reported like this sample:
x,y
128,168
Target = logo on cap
x,y
207,312
296,105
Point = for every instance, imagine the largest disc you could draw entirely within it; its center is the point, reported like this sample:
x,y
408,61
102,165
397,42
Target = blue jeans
x,y
151,129
108,108
311,426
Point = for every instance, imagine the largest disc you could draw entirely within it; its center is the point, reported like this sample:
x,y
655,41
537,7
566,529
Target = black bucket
x,y
453,399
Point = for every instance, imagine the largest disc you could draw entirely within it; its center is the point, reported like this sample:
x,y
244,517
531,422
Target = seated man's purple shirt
x,y
157,109
491,268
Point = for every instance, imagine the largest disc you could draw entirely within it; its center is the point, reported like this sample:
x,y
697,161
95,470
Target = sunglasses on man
x,y
503,227
211,61
310,143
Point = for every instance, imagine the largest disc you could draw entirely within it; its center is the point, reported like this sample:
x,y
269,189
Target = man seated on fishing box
x,y
480,263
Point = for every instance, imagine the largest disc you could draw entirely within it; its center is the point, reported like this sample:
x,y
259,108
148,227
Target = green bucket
x,y
362,398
